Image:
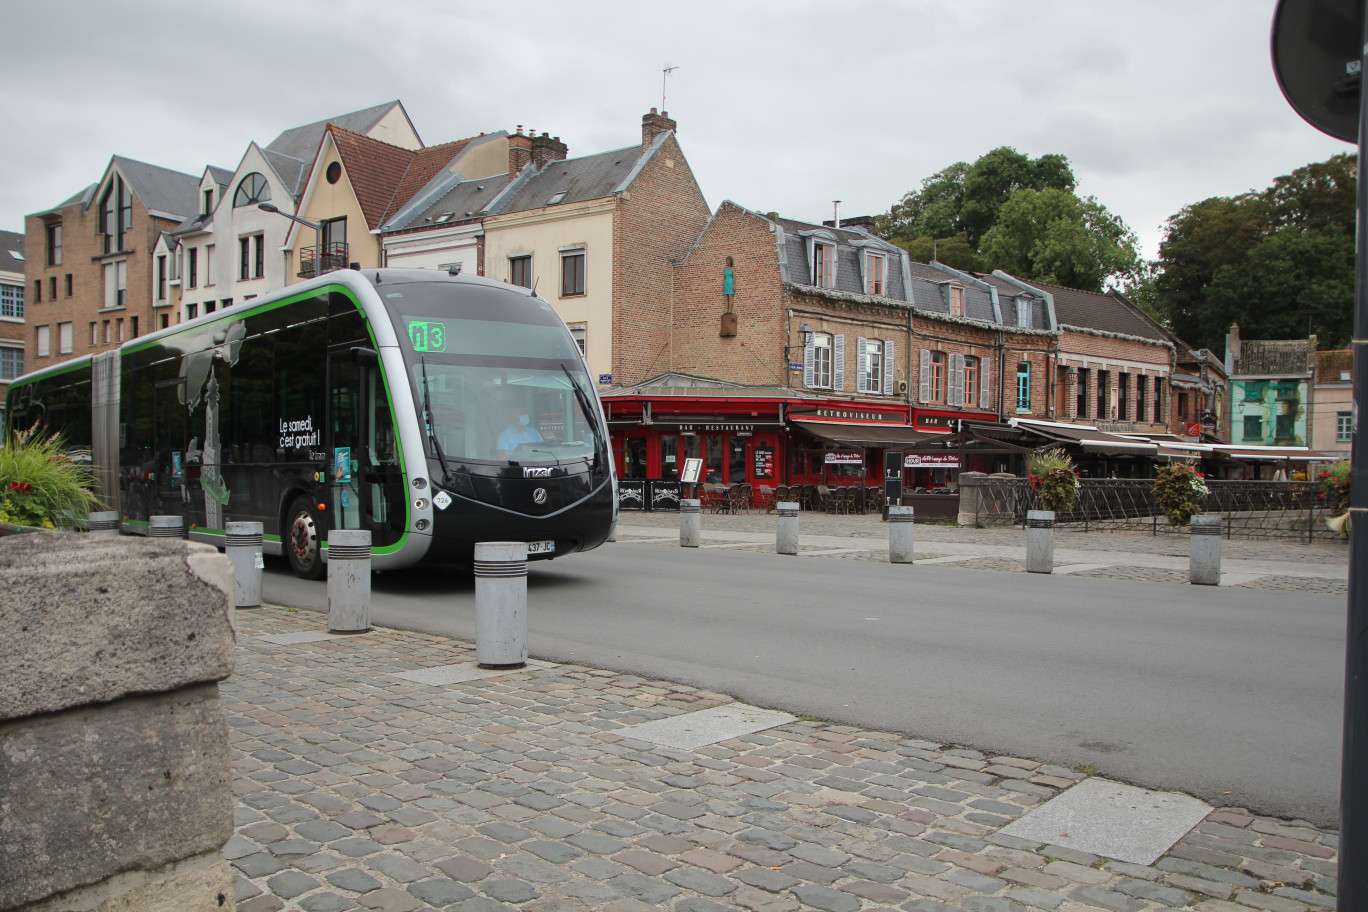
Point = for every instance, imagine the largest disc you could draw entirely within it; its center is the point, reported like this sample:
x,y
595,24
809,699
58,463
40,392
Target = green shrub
x,y
1181,492
1335,488
38,481
1052,476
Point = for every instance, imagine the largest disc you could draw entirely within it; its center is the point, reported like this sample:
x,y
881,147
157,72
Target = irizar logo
x,y
529,472
539,496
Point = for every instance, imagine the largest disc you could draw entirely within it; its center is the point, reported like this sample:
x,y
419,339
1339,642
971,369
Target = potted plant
x,y
1181,492
1052,476
39,482
1335,495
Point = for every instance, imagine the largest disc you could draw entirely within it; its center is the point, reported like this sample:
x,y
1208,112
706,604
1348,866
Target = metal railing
x,y
1248,509
312,262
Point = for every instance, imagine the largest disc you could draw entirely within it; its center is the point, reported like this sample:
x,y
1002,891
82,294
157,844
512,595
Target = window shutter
x,y
956,396
924,377
808,358
888,368
838,363
861,364
985,397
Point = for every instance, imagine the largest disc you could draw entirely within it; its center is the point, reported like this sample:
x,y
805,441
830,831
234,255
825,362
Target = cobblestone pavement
x,y
525,790
1259,564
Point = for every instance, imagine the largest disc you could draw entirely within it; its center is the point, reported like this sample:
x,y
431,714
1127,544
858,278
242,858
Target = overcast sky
x,y
781,106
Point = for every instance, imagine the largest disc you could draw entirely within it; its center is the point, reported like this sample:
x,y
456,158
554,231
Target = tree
x,y
1053,236
955,252
1013,212
1279,262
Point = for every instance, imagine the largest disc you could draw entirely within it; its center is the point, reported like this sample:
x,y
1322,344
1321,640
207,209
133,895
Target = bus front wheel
x,y
302,540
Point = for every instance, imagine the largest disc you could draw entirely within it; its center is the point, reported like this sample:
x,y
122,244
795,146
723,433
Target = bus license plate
x,y
541,547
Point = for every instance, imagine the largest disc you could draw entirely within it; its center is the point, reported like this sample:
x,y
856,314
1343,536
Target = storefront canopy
x,y
864,435
1087,438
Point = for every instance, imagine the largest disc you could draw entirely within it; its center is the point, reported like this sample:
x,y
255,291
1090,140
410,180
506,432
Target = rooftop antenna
x,y
664,72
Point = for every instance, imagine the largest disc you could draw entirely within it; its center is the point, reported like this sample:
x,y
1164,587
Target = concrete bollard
x,y
105,522
349,580
242,545
690,522
164,527
900,535
500,604
1204,562
786,533
1040,541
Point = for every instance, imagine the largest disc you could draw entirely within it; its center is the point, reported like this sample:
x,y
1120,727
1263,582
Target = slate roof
x,y
589,177
222,176
11,252
459,200
302,142
161,190
1100,312
291,171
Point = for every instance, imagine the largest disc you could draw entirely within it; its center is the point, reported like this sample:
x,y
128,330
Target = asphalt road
x,y
1232,695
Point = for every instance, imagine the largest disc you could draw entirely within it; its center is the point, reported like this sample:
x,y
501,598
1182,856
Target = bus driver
x,y
519,430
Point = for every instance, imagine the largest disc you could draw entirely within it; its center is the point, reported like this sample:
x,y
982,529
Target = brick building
x,y
598,237
12,329
794,353
90,267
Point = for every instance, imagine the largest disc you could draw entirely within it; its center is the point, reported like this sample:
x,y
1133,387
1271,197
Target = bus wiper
x,y
431,423
585,406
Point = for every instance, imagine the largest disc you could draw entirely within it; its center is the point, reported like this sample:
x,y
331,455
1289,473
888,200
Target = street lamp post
x,y
316,226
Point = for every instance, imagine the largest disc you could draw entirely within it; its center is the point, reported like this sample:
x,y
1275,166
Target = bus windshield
x,y
531,416
497,378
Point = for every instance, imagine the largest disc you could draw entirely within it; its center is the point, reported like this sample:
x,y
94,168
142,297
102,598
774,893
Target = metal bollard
x,y
786,538
500,604
1204,562
242,545
900,535
349,580
1040,541
104,521
690,522
164,527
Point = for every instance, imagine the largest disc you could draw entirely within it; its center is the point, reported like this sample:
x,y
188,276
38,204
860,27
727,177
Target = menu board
x,y
763,454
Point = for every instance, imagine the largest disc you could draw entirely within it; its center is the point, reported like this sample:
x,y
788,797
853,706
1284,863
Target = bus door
x,y
171,495
365,480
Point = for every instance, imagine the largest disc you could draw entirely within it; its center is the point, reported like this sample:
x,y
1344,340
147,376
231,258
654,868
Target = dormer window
x,y
208,200
876,272
956,296
1023,313
824,265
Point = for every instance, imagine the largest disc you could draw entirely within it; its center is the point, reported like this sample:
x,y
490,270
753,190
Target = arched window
x,y
251,190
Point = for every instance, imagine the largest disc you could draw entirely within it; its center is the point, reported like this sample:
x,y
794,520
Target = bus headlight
x,y
421,504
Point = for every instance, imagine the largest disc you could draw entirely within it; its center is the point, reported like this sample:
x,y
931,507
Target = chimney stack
x,y
546,149
519,152
652,125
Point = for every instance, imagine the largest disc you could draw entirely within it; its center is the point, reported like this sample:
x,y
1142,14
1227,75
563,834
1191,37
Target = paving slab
x,y
461,672
691,731
1112,820
305,636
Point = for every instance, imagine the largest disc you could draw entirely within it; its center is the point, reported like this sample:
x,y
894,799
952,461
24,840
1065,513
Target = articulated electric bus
x,y
435,410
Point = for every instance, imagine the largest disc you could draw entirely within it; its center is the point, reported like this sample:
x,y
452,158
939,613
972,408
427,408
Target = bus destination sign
x,y
427,336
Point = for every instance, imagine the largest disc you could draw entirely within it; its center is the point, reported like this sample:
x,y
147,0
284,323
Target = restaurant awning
x,y
1088,438
864,435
